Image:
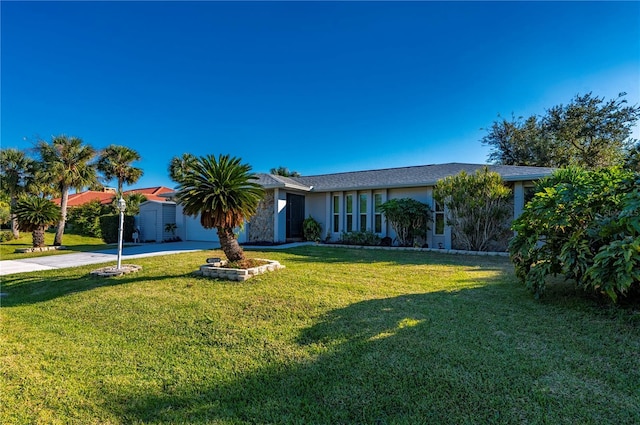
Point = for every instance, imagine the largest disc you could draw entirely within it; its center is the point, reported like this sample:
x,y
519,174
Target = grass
x,y
339,336
71,241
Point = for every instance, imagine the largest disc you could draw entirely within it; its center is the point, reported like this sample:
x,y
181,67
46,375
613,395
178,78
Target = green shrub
x,y
478,208
311,229
6,236
408,217
584,225
109,228
360,238
85,219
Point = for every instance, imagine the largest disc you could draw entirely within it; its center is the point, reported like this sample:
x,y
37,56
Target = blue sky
x,y
318,87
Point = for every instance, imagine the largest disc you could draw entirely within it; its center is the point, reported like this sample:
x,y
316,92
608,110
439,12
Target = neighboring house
x,y
106,195
344,202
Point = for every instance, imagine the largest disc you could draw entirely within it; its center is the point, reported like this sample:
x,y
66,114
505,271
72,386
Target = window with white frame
x,y
349,211
363,212
336,214
377,213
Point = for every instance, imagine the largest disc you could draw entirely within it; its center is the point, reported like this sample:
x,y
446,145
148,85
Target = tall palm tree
x,y
15,171
66,163
115,163
223,193
35,214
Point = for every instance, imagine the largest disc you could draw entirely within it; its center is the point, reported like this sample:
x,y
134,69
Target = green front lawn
x,y
70,241
340,336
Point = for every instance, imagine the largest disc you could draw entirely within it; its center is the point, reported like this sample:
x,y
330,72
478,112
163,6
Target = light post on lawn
x,y
122,205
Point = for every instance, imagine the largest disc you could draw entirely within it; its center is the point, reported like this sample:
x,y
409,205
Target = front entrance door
x,y
295,216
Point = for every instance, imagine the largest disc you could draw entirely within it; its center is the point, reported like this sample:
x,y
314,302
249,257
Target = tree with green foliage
x,y
223,192
477,206
408,218
589,132
284,171
585,225
66,163
34,215
16,170
180,166
115,163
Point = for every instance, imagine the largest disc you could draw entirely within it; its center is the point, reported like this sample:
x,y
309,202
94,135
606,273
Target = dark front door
x,y
295,216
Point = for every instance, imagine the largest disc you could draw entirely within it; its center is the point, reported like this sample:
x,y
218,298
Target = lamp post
x,y
122,205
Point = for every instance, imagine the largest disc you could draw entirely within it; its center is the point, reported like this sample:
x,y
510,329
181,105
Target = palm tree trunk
x,y
63,218
229,244
14,219
37,237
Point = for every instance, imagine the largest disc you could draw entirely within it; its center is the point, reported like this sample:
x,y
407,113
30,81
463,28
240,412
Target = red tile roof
x,y
105,197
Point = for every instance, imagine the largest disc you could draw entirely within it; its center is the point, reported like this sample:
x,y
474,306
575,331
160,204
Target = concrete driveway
x,y
129,252
76,259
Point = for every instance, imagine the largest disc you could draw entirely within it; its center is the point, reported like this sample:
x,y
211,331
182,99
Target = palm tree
x,y
15,170
66,163
180,165
34,215
284,171
115,163
223,193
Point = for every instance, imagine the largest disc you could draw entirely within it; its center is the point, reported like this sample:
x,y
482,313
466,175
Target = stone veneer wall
x,y
261,224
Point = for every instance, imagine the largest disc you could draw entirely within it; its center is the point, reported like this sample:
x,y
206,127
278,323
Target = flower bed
x,y
218,270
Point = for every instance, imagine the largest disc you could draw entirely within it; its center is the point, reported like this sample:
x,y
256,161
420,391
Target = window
x,y
377,213
363,212
439,219
336,214
349,209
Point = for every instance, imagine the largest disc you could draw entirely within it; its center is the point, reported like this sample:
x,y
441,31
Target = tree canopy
x,y
115,163
284,171
590,132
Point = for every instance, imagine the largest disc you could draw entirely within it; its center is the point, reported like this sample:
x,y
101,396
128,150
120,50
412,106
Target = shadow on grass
x,y
21,290
429,358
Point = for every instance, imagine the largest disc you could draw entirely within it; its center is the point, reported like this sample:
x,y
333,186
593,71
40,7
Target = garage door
x,y
195,231
148,226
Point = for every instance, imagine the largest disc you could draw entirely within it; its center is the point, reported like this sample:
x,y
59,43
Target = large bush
x,y
85,219
584,225
478,208
408,217
109,227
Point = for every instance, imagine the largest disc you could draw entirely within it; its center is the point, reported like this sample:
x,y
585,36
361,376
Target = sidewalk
x,y
77,259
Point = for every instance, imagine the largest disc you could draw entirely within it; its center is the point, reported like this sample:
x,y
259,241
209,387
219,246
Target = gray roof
x,y
416,176
422,175
271,181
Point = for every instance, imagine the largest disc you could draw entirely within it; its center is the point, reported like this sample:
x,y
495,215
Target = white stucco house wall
x,y
343,202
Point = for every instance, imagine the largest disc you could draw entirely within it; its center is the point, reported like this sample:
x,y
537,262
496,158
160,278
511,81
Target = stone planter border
x,y
216,270
112,271
40,249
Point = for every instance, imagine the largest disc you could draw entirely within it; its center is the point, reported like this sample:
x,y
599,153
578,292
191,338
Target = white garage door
x,y
195,231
